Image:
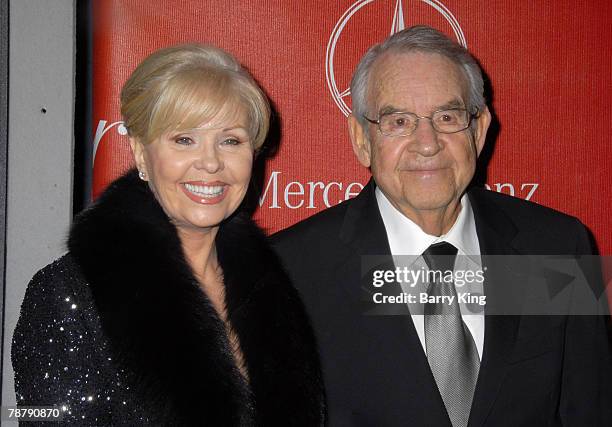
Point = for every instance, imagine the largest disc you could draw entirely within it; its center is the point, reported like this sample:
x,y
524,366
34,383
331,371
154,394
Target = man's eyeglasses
x,y
443,121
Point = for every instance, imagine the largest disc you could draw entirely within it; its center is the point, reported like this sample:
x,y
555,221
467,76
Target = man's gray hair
x,y
419,38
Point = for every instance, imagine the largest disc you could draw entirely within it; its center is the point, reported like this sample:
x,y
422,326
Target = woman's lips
x,y
205,193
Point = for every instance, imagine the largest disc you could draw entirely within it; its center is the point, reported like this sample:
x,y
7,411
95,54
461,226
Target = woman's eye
x,y
231,141
183,140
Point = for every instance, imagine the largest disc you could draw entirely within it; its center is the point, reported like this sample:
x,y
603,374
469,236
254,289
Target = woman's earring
x,y
142,175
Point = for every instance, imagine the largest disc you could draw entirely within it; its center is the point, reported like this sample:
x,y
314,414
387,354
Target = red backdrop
x,y
549,64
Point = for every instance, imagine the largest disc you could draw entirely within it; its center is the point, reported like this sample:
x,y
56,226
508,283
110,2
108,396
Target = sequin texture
x,y
59,359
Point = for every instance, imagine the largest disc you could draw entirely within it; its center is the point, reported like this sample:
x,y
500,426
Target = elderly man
x,y
419,123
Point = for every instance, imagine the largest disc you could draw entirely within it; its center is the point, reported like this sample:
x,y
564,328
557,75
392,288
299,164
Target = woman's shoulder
x,y
60,356
63,272
57,286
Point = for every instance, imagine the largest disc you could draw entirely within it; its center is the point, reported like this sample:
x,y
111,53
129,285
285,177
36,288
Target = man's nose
x,y
425,138
209,159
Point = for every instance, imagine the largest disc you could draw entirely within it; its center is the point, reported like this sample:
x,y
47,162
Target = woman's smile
x,y
205,192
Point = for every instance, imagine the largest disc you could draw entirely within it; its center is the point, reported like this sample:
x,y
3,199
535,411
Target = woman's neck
x,y
200,252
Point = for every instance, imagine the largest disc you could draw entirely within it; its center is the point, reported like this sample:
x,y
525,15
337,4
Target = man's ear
x,y
359,141
482,125
138,152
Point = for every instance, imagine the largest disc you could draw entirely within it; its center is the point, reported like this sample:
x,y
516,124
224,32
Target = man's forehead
x,y
398,78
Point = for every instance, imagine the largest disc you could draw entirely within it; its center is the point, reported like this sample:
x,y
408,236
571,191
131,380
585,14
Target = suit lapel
x,y
495,234
364,233
363,227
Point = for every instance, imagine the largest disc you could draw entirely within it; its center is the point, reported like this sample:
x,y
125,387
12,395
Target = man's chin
x,y
429,205
431,198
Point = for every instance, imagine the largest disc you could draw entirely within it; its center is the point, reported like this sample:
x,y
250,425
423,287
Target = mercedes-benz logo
x,y
339,95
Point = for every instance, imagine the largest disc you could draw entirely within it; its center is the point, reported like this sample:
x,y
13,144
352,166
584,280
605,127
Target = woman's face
x,y
199,176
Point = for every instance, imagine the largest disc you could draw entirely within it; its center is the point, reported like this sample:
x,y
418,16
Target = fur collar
x,y
162,327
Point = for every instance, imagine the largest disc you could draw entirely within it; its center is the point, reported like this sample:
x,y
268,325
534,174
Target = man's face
x,y
426,171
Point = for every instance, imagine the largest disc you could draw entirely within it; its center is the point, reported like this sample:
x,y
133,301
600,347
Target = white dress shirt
x,y
407,238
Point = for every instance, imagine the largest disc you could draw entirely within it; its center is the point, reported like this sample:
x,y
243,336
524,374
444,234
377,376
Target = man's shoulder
x,y
324,223
524,213
535,228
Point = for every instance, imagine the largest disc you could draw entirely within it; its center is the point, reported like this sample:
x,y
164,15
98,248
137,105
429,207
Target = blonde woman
x,y
169,307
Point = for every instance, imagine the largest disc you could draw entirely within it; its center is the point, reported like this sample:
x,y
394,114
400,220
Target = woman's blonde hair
x,y
181,87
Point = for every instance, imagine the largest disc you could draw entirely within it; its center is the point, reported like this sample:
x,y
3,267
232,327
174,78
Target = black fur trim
x,y
163,328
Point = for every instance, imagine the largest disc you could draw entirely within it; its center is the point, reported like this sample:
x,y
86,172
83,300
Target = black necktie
x,y
451,350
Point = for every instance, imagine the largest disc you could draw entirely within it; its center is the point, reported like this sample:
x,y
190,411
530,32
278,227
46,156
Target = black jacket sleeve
x,y
54,349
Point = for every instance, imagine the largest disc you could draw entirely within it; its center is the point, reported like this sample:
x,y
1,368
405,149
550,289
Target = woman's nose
x,y
209,159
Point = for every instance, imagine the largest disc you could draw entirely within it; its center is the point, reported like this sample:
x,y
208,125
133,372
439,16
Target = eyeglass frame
x,y
471,116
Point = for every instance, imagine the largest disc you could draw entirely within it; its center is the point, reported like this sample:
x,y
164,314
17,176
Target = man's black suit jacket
x,y
535,371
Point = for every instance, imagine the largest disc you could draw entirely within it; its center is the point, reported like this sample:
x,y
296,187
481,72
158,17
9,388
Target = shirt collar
x,y
407,238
